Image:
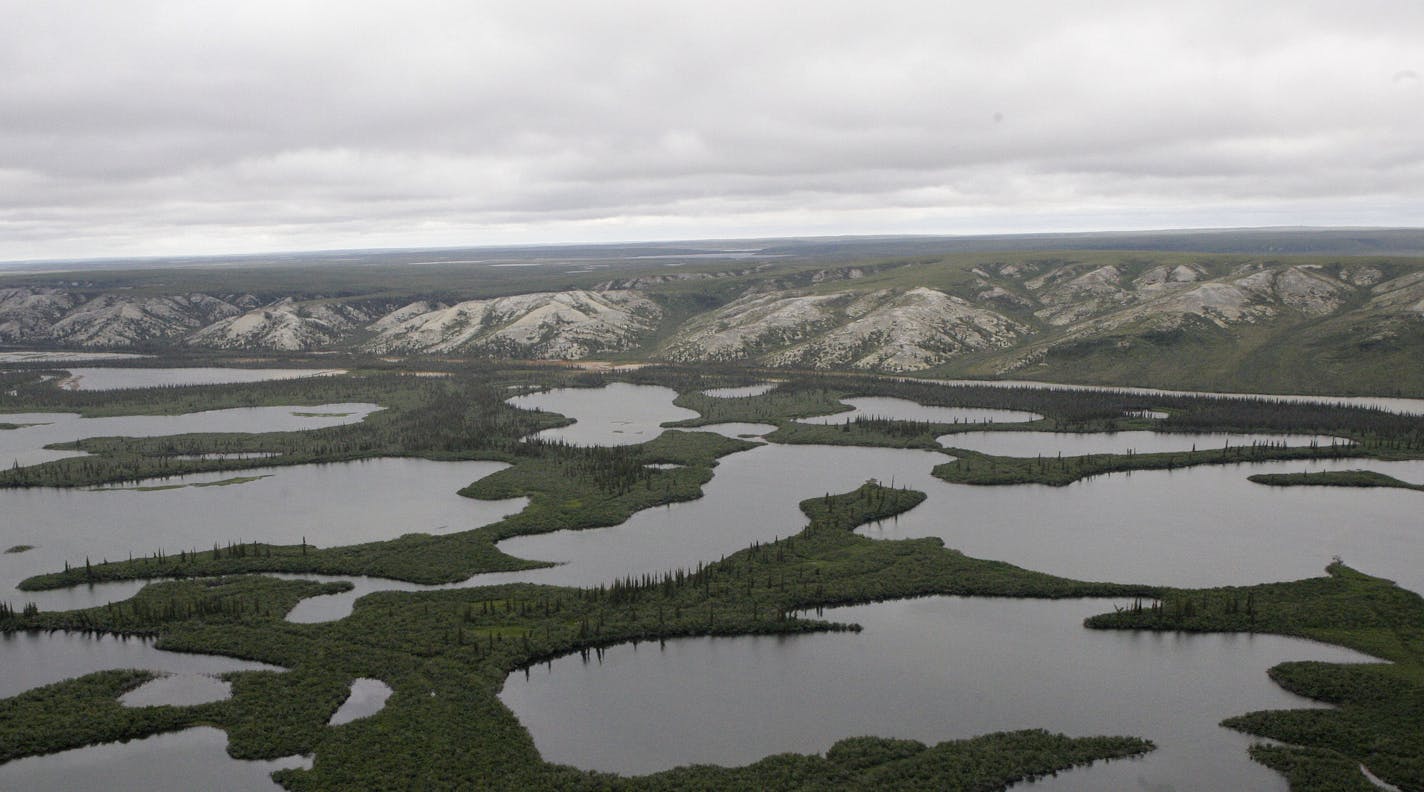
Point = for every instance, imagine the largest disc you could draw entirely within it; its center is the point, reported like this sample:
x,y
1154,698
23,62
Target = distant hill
x,y
1325,323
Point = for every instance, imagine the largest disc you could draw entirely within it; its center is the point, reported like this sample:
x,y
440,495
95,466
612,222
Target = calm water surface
x,y
183,761
26,445
617,414
178,690
1203,526
929,669
905,410
1387,403
121,378
332,504
30,660
367,698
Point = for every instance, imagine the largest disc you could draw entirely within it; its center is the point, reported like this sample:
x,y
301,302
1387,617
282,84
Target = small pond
x,y
368,696
178,690
617,414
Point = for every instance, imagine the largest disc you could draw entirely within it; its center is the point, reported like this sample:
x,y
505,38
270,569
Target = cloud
x,y
136,127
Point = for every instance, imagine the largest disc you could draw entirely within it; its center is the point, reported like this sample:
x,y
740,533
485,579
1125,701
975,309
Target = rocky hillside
x,y
1208,321
885,330
562,325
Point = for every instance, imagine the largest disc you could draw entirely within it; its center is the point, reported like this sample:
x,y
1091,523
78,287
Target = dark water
x,y
929,669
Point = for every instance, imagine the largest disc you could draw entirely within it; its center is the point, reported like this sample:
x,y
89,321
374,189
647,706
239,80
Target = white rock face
x,y
560,325
27,313
285,325
754,324
111,320
884,330
906,332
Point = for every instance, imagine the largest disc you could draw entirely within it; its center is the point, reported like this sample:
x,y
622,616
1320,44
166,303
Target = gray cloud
x,y
206,127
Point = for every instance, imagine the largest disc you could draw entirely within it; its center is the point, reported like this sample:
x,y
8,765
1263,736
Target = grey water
x,y
1051,444
617,414
329,504
1204,526
26,445
107,378
930,669
178,762
905,410
32,659
178,690
367,697
1199,526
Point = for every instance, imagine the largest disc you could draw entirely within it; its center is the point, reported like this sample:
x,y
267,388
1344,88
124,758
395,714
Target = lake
x,y
109,378
26,445
932,669
1387,403
178,762
618,414
928,669
332,504
905,410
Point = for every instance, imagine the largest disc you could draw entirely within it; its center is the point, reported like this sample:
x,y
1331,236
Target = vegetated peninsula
x,y
1334,478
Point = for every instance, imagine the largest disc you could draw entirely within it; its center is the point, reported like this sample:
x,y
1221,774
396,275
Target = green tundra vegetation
x,y
446,654
1378,715
1333,478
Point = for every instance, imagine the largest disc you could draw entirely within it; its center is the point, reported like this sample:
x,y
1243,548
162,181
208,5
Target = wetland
x,y
641,593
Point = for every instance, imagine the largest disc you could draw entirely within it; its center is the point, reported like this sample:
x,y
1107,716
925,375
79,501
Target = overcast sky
x,y
138,128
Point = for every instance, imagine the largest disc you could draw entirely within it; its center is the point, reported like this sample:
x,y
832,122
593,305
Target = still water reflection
x,y
929,669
